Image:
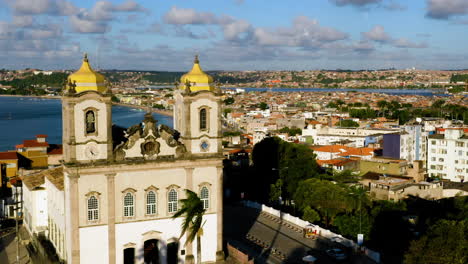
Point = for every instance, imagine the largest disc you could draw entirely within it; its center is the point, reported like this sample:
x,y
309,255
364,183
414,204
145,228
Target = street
x,y
270,240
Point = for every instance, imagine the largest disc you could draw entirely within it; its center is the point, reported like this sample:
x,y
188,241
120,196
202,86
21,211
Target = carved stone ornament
x,y
150,147
148,135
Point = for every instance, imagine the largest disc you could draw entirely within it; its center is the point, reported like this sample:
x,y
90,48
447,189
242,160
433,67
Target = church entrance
x,y
129,256
172,253
151,251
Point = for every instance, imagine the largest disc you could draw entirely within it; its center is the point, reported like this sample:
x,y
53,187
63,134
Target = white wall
x,y
94,245
169,230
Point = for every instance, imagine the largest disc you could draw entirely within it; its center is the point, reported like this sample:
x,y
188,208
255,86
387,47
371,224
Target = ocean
x,y
24,117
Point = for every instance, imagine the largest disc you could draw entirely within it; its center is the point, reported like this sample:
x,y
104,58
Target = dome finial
x,y
196,59
85,57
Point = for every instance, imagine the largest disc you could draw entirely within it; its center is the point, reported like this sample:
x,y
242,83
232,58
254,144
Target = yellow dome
x,y
197,78
86,79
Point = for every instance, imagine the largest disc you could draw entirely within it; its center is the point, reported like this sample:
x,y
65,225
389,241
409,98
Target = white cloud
x,y
445,9
377,33
305,32
95,20
37,7
188,16
359,3
82,24
23,20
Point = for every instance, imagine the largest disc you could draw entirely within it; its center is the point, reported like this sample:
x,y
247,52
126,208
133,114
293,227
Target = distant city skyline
x,y
235,34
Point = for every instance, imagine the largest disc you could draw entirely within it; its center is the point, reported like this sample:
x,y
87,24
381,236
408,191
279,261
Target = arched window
x,y
151,203
129,205
203,119
205,197
93,208
90,122
173,199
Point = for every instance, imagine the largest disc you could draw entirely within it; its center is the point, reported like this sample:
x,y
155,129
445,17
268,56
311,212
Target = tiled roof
x,y
9,155
358,152
331,148
55,150
41,136
239,150
33,181
335,162
30,143
55,176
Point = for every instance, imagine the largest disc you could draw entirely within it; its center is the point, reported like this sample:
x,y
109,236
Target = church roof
x,y
197,79
86,79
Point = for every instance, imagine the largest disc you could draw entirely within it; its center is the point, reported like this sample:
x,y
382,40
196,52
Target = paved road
x,y
8,250
244,225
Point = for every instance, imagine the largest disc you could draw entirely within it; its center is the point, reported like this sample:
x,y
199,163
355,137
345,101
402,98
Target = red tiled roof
x,y
29,143
9,155
239,150
57,151
358,152
334,162
314,122
41,136
330,148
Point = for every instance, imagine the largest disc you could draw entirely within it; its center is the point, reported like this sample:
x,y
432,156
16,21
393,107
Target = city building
x,y
113,199
447,156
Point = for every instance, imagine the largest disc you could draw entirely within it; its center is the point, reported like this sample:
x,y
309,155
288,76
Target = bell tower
x,y
86,116
197,112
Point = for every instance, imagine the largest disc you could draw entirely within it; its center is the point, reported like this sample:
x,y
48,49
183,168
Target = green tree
x,y
275,159
229,101
192,211
263,106
445,242
310,215
383,106
327,198
227,111
348,123
353,223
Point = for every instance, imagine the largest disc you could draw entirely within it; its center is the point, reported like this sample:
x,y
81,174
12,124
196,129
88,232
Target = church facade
x,y
120,188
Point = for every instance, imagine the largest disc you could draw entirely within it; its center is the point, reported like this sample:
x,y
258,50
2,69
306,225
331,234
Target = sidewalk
x,y
8,249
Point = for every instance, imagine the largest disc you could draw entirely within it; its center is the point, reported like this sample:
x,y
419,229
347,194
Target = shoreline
x,y
153,110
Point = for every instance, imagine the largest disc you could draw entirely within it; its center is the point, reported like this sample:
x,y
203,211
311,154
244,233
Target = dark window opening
x,y
151,252
90,122
203,119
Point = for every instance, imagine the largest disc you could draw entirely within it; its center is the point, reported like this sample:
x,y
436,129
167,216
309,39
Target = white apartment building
x,y
447,155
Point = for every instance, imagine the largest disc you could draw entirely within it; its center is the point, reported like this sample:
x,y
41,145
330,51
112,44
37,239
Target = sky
x,y
164,35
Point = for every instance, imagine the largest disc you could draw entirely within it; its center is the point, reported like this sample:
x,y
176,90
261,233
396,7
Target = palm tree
x,y
192,210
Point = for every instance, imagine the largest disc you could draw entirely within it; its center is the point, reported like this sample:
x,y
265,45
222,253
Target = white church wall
x,y
169,230
141,180
88,184
94,245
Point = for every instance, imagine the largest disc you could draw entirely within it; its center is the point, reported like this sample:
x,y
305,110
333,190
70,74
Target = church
x,y
113,198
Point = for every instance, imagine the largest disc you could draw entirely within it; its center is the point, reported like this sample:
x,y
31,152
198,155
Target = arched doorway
x,y
172,253
129,256
151,251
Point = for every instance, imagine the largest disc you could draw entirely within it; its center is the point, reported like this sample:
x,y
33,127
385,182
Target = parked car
x,y
336,253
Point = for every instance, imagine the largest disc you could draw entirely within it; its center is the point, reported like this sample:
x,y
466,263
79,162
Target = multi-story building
x,y
447,156
409,144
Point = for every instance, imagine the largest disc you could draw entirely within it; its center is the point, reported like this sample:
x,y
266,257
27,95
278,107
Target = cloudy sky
x,y
235,34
